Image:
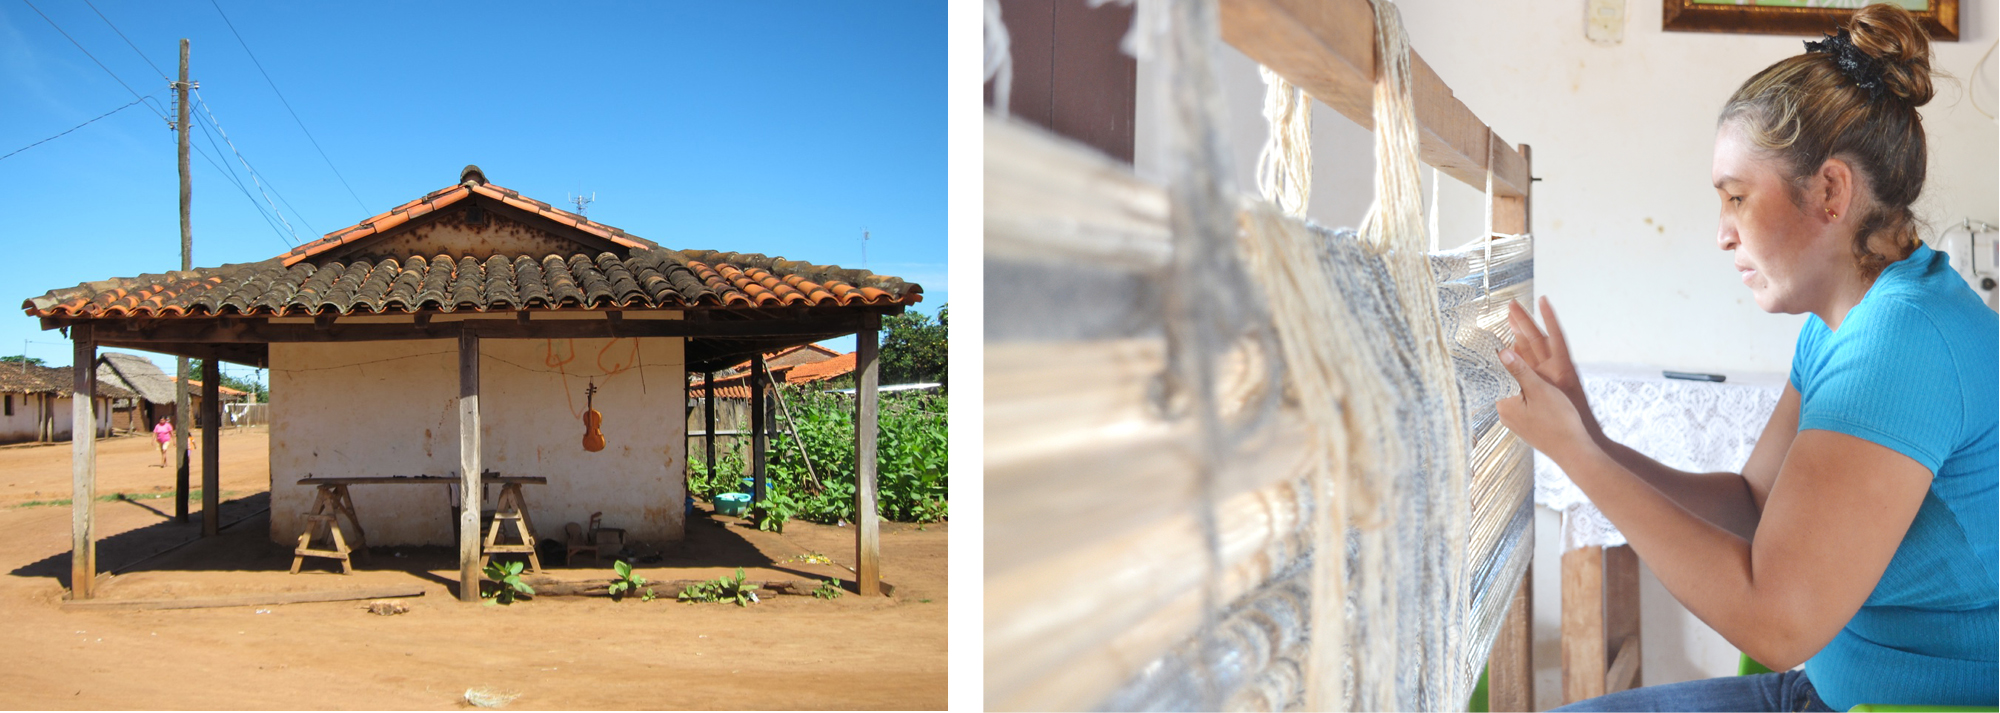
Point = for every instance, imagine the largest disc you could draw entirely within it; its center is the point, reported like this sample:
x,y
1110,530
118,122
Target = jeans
x,y
1782,691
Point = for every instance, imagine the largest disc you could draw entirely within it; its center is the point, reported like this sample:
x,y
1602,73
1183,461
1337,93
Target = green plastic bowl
x,y
732,503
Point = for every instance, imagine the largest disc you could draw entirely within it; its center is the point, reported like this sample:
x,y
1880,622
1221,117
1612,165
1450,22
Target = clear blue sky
x,y
780,128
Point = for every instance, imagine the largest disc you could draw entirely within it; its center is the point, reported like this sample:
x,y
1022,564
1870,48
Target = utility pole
x,y
181,407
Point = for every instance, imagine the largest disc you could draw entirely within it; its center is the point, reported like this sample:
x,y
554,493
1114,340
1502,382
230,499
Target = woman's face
x,y
1785,252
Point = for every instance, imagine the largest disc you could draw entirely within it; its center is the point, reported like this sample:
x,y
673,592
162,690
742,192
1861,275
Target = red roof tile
x,y
305,281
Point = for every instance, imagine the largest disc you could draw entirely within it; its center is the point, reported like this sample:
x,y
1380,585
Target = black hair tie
x,y
1866,71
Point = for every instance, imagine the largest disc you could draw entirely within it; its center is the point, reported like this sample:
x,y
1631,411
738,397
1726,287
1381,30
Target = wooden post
x,y
1621,619
1510,682
83,466
181,419
1583,655
708,419
211,440
469,465
757,438
1510,669
867,540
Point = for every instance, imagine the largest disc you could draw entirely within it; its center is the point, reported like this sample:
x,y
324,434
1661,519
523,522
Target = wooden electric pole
x,y
181,409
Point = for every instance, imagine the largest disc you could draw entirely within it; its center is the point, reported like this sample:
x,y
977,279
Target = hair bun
x,y
1891,34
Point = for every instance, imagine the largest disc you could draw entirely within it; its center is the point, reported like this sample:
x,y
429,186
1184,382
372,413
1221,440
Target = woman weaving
x,y
1860,538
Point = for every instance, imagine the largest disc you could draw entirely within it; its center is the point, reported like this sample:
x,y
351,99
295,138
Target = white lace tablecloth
x,y
1697,426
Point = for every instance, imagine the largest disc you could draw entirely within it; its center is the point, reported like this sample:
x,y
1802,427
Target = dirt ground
x,y
786,652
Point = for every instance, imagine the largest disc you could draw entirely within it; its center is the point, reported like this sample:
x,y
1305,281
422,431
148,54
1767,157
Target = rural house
x,y
35,403
153,389
473,330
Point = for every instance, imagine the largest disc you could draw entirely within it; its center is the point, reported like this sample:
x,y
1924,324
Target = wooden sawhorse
x,y
511,508
323,523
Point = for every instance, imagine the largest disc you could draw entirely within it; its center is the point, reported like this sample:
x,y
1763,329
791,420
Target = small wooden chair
x,y
594,540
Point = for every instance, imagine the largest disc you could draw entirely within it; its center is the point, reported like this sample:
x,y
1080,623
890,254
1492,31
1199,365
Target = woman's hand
x,y
1548,356
1543,415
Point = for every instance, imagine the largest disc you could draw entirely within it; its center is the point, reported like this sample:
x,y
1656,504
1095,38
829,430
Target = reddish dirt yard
x,y
786,652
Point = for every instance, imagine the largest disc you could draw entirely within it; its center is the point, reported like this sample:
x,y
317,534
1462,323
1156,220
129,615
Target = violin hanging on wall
x,y
593,440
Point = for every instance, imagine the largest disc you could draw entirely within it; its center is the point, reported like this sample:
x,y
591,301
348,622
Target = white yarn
x,y
999,64
1284,167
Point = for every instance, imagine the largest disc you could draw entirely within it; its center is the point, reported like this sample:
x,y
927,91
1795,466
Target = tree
x,y
913,347
32,361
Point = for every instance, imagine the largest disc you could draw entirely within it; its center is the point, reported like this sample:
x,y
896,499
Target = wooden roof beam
x,y
1327,48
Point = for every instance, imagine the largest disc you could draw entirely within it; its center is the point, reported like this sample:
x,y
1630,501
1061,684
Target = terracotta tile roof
x,y
46,380
451,195
315,279
228,394
820,371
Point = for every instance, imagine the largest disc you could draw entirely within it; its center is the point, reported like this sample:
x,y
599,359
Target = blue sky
x,y
780,128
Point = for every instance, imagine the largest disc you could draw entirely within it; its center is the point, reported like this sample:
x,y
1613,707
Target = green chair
x,y
1746,666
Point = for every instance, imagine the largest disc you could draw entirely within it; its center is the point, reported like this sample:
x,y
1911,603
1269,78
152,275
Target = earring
x,y
1831,214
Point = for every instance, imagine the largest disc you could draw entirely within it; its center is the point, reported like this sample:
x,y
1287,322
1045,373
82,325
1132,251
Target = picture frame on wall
x,y
1797,17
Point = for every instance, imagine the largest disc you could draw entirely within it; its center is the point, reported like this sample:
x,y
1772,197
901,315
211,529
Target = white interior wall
x,y
1625,217
391,408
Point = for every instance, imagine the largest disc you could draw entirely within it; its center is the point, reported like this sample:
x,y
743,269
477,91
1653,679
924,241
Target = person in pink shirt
x,y
163,433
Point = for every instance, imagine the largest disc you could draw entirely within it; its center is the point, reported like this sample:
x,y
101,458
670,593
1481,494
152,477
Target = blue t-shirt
x,y
1913,368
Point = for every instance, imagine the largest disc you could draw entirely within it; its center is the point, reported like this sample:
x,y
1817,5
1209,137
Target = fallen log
x,y
552,587
241,600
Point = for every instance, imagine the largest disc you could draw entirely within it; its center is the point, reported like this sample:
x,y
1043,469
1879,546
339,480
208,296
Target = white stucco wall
x,y
391,408
23,425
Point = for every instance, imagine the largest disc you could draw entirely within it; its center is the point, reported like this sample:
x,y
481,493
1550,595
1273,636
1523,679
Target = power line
x,y
128,41
288,105
254,178
230,173
86,53
73,128
152,105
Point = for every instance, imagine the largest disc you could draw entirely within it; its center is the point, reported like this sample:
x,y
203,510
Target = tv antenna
x,y
581,201
864,247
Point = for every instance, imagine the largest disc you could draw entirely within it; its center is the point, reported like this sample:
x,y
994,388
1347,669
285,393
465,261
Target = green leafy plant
x,y
722,589
828,589
506,577
777,508
912,458
648,596
727,476
626,582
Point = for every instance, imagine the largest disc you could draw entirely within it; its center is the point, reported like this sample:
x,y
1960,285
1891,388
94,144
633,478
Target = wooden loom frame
x,y
1058,204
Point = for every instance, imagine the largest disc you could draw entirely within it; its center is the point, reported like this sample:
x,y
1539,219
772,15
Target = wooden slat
x,y
1510,682
83,467
708,420
211,442
1046,199
759,405
1621,613
1624,670
1327,48
1126,599
243,600
469,466
1583,624
867,537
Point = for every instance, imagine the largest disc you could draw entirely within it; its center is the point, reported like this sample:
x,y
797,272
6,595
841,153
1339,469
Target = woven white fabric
x,y
1697,426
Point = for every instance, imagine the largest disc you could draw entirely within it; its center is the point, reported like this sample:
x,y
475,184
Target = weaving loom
x,y
1233,459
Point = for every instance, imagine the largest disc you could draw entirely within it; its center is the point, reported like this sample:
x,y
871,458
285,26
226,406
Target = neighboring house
x,y
228,396
825,370
379,335
35,403
153,389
